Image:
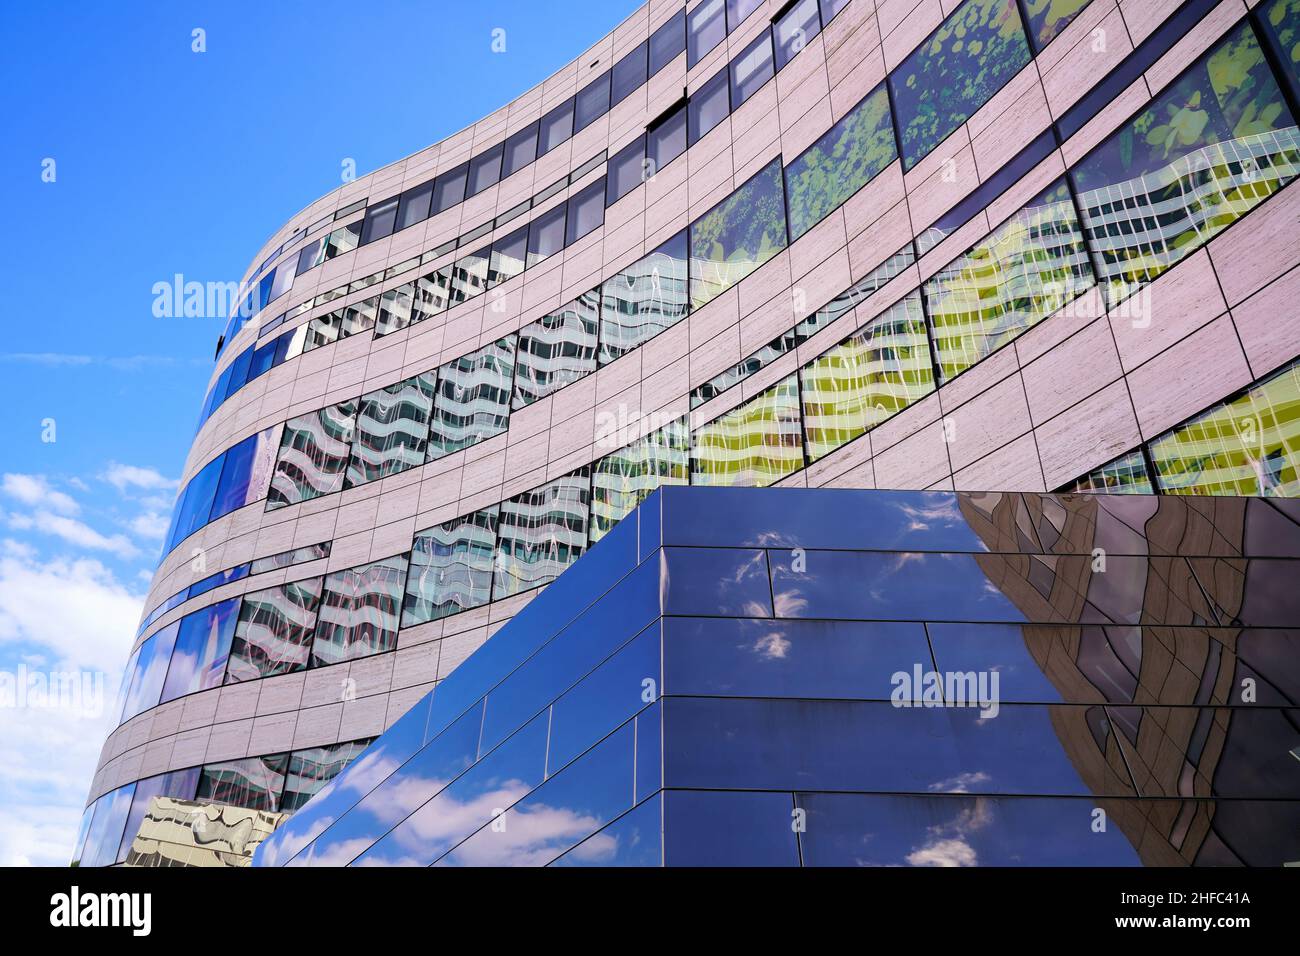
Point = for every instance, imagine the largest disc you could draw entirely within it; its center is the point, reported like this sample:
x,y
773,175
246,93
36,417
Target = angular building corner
x,y
473,562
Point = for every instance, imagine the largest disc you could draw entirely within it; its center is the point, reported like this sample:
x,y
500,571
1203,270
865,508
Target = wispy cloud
x,y
35,491
123,477
120,363
74,532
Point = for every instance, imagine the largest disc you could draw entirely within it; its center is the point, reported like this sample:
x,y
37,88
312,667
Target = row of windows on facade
x,y
278,783
571,698
697,34
866,139
927,114
1038,261
527,541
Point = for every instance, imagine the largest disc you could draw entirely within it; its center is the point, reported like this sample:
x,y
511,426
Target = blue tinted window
x,y
852,829
380,220
728,657
906,586
557,126
795,30
236,473
709,106
667,42
716,581
629,74
520,150
586,211
149,672
706,27
196,504
1017,654
449,188
729,829
751,69
414,205
564,810
202,646
626,171
484,170
605,698
666,140
546,234
591,103
634,839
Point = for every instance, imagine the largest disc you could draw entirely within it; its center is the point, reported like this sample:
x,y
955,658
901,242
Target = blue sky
x,y
170,161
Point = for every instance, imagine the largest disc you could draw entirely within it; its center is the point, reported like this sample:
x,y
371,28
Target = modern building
x,y
970,245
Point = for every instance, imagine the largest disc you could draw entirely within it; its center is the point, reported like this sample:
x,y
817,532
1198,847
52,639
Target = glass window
x,y
323,330
484,170
432,293
1018,275
1126,475
395,309
634,839
644,299
629,74
709,106
738,235
451,568
842,161
236,472
546,234
561,811
756,444
739,10
149,672
273,634
1047,18
667,42
285,559
1281,22
907,586
473,398
313,455
106,829
449,188
508,254
520,150
1247,446
706,27
728,828
1205,152
392,430
796,30
541,532
194,506
254,782
621,481
955,71
556,349
735,657
665,140
730,582
309,770
586,211
878,370
591,103
557,126
626,171
860,829
414,205
469,275
202,646
604,699
751,69
380,220
359,317
359,612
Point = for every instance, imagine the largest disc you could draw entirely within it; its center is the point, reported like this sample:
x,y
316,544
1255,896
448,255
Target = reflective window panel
x,y
253,782
540,533
202,646
1125,475
1247,446
955,71
473,398
738,235
556,349
1202,154
309,770
392,430
451,567
877,371
756,444
274,631
313,456
359,612
1028,268
644,299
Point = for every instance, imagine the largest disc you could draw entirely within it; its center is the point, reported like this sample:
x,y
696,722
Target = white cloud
x,y
74,532
150,525
35,491
68,616
123,477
